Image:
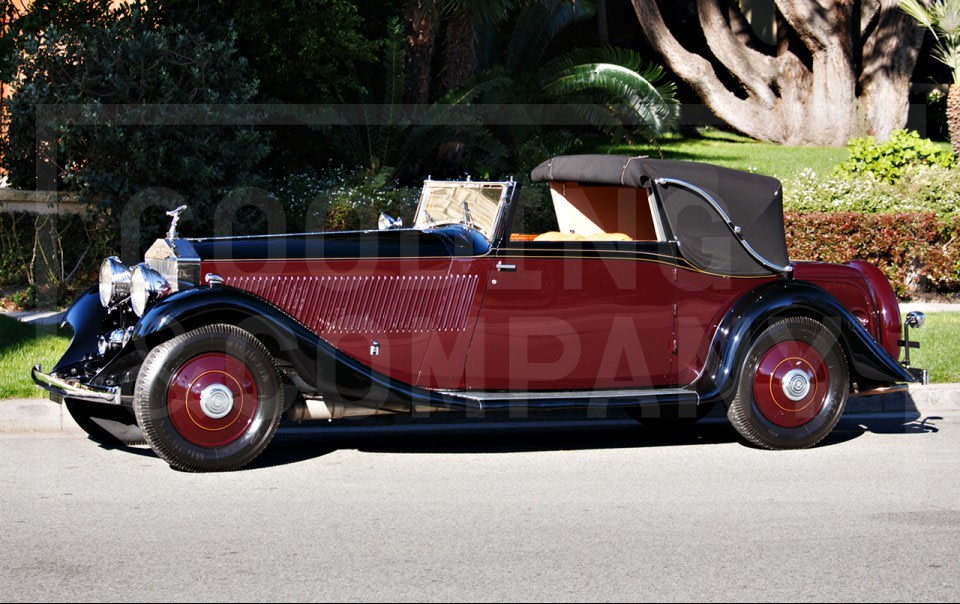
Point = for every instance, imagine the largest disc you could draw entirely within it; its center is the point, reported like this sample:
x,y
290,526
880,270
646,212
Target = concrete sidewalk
x,y
41,317
44,416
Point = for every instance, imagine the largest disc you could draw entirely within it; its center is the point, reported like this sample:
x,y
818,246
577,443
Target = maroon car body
x,y
660,287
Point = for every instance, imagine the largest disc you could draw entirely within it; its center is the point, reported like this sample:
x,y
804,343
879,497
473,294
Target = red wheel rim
x,y
215,377
791,384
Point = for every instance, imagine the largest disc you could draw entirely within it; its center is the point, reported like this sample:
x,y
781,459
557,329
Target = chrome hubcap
x,y
795,384
216,401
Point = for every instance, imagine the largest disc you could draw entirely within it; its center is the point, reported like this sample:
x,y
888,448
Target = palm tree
x,y
612,86
942,18
390,144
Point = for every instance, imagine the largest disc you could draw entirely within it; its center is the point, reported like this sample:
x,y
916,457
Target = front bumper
x,y
60,388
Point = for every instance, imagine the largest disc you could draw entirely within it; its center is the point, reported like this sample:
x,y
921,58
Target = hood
x,y
452,240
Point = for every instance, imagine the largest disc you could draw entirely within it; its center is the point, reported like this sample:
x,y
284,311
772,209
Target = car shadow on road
x,y
296,443
910,422
301,442
305,442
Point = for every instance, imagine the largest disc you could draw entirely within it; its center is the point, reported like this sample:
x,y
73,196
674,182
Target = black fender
x,y
869,363
89,320
317,366
87,317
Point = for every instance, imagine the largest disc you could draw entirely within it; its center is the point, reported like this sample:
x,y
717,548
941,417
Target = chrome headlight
x,y
114,281
147,286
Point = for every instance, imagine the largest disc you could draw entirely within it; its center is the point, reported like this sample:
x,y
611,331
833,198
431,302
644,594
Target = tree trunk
x,y
953,117
459,65
603,28
891,45
782,99
421,21
460,50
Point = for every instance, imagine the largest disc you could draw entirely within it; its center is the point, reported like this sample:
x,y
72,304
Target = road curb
x,y
41,415
924,399
35,415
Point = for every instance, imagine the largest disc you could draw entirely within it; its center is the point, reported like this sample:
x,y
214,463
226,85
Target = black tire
x,y
671,418
108,425
163,406
774,420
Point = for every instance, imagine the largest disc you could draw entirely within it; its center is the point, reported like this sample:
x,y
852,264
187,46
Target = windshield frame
x,y
507,188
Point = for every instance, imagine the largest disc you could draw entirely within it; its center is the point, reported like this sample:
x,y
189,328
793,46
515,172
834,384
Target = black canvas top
x,y
753,202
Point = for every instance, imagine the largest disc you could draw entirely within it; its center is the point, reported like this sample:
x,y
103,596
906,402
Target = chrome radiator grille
x,y
176,261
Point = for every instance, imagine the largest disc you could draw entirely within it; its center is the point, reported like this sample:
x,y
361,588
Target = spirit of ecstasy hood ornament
x,y
174,219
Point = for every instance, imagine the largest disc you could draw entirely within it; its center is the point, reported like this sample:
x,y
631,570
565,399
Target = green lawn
x,y
742,153
939,347
21,346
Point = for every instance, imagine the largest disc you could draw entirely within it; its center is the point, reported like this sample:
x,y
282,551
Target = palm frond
x,y
918,11
949,56
477,87
947,17
623,57
393,62
537,24
643,100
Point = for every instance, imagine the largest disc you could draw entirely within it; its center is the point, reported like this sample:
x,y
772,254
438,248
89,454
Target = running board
x,y
571,399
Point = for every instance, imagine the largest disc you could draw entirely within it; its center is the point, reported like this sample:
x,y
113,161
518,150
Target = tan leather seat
x,y
558,236
608,237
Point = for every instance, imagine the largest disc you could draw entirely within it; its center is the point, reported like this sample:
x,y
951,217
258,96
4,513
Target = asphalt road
x,y
610,512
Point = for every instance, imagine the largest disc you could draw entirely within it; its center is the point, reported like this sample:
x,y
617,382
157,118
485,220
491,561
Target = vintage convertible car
x,y
659,287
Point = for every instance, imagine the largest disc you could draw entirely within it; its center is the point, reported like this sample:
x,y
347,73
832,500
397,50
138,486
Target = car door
x,y
576,315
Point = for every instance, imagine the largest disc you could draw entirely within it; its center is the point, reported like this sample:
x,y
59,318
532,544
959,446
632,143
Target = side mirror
x,y
387,222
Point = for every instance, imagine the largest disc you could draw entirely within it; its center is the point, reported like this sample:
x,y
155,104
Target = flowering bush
x,y
895,205
928,189
918,251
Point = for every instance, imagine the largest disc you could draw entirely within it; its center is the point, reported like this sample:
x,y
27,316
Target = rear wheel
x,y
209,399
793,386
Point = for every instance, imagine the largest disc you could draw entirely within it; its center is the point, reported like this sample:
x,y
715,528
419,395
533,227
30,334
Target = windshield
x,y
474,204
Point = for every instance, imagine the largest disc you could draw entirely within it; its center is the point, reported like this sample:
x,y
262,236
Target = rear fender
x,y
869,362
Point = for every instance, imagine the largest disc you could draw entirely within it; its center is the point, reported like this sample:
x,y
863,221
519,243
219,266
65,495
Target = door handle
x,y
506,267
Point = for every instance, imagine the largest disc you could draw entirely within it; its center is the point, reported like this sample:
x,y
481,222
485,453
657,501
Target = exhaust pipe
x,y
309,409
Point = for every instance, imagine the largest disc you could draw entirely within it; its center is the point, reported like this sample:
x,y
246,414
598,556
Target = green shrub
x,y
127,60
918,251
890,159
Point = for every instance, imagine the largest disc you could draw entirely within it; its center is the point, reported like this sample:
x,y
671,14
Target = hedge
x,y
918,251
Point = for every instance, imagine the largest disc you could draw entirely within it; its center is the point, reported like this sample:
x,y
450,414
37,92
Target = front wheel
x,y
793,386
209,399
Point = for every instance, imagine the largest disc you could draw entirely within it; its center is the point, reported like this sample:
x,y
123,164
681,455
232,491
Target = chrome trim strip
x,y
734,229
883,390
533,395
58,387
